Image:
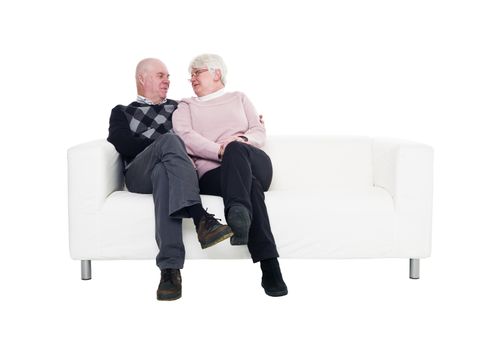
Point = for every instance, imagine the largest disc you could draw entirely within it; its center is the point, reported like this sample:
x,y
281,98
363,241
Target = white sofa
x,y
331,197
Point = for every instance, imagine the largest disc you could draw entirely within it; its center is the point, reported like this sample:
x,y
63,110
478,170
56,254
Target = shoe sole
x,y
168,297
226,234
276,294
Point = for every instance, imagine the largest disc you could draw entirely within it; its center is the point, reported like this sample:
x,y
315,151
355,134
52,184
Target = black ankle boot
x,y
272,280
170,285
239,220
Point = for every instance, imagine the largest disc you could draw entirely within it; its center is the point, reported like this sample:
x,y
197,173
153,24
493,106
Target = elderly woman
x,y
223,134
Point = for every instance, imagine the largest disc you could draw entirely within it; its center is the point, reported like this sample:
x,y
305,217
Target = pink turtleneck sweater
x,y
204,124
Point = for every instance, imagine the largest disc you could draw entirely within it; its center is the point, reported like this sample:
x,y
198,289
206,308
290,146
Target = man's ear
x,y
140,79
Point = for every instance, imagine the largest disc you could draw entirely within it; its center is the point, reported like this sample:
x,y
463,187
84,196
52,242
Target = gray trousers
x,y
165,170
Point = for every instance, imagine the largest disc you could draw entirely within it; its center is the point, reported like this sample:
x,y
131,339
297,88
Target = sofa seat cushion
x,y
329,224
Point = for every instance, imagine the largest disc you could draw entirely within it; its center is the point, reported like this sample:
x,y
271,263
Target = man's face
x,y
156,82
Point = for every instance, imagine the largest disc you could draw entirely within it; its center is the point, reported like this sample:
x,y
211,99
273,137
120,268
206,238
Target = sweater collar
x,y
212,96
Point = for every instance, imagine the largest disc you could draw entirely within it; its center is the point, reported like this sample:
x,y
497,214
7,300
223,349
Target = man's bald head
x,y
152,79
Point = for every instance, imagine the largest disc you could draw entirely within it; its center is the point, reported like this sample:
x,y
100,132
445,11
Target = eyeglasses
x,y
197,73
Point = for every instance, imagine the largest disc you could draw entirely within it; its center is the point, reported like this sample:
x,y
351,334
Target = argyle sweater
x,y
136,126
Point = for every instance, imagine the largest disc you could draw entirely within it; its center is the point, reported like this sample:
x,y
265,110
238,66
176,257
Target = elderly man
x,y
156,162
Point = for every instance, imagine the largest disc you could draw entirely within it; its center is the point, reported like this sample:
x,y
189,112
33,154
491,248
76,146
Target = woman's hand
x,y
224,142
238,137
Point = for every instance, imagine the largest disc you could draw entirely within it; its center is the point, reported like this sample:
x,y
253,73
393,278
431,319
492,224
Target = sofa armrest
x,y
94,172
405,170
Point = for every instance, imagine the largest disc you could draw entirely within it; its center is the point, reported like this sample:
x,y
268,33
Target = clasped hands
x,y
239,138
224,142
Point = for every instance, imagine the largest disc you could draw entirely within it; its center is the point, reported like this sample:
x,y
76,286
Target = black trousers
x,y
243,177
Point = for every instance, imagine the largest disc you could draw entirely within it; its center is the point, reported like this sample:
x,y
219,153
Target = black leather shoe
x,y
170,285
272,280
239,220
211,232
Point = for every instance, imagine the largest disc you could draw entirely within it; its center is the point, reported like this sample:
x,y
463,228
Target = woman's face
x,y
203,83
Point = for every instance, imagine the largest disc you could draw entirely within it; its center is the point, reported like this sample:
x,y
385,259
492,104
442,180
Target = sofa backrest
x,y
316,163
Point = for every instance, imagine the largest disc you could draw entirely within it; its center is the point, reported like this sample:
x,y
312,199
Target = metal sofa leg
x,y
414,269
86,270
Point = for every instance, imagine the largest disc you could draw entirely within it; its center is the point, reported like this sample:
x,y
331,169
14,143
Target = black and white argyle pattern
x,y
150,121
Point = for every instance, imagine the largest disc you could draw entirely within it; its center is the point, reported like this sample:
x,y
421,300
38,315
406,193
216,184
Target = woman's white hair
x,y
210,61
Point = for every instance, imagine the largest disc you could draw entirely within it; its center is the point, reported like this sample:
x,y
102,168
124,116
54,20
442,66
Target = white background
x,y
427,71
